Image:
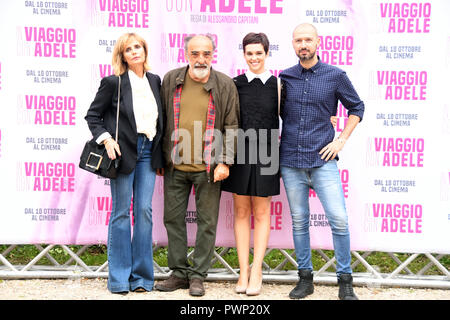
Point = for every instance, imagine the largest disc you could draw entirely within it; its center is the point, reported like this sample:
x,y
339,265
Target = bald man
x,y
197,101
309,152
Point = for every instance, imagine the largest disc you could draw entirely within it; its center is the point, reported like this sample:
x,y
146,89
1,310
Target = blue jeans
x,y
130,260
326,182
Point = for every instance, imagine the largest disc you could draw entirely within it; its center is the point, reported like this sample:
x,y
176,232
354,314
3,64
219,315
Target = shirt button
x,y
304,92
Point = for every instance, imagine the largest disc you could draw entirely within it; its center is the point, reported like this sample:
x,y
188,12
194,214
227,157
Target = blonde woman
x,y
130,260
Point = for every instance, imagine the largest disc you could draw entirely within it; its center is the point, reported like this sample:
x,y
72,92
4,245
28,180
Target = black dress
x,y
258,110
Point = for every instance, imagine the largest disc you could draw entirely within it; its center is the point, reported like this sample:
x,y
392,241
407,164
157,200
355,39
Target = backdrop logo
x,y
242,6
403,85
172,48
52,110
336,50
126,13
52,42
99,71
51,176
398,217
407,17
400,152
105,70
100,210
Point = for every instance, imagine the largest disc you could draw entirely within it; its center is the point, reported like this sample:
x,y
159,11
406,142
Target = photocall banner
x,y
395,168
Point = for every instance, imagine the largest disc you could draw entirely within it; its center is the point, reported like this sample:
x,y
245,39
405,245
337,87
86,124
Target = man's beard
x,y
201,71
306,57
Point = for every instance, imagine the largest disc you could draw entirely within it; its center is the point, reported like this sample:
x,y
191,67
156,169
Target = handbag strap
x,y
118,107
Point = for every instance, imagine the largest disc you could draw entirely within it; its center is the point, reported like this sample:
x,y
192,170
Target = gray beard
x,y
200,72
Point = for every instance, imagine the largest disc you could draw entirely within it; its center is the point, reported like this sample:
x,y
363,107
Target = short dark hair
x,y
254,38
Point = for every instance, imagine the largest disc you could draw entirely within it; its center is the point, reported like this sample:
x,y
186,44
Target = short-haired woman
x,y
252,188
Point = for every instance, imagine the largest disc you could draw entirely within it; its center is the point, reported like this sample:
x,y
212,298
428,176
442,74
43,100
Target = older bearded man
x,y
195,97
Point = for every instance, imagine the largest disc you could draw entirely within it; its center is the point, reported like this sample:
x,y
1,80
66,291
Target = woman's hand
x,y
333,120
111,148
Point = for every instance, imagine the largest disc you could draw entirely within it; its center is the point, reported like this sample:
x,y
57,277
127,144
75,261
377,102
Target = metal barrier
x,y
402,276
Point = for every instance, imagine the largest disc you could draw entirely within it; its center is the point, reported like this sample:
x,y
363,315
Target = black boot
x,y
345,281
304,286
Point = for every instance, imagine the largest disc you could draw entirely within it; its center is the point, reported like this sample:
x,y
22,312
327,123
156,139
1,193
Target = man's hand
x,y
330,151
221,172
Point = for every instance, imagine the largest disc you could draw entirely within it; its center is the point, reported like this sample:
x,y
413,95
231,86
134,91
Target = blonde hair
x,y
118,62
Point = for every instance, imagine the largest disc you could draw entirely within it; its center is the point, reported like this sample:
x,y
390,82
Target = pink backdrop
x,y
395,168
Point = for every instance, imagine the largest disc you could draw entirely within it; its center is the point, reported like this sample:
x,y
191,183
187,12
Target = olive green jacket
x,y
226,101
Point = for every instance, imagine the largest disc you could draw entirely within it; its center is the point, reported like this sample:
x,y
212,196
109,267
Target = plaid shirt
x,y
309,98
209,132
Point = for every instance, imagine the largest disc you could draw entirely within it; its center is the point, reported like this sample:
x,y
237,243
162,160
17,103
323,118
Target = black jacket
x,y
101,117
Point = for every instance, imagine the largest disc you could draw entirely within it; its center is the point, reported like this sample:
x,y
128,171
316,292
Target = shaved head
x,y
305,42
305,28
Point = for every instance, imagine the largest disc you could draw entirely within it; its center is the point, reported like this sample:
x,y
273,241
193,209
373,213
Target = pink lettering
x,y
259,8
406,93
405,10
176,40
50,102
409,25
399,144
402,78
54,184
336,43
124,5
41,34
49,169
55,50
55,117
243,6
104,203
397,210
336,58
403,159
401,225
129,20
105,70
